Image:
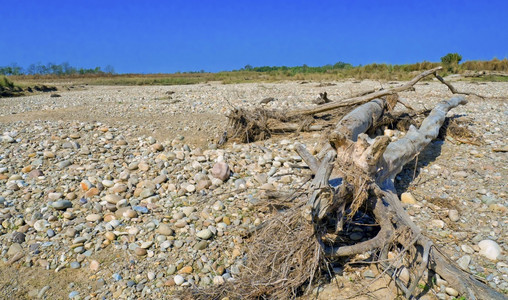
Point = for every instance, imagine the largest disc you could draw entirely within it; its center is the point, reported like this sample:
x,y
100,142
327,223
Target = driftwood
x,y
252,125
365,98
369,167
322,99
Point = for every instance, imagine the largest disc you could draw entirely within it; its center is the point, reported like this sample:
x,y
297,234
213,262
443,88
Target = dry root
x,y
252,125
284,259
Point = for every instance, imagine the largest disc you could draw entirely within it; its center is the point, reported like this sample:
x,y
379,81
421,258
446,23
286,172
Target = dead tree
x,y
369,166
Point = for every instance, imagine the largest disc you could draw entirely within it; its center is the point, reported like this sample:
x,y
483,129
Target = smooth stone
x,y
460,174
221,171
190,188
453,214
130,213
201,245
116,276
146,245
50,233
108,183
467,249
151,275
75,265
40,225
165,229
62,204
179,280
160,179
54,196
188,210
64,164
438,224
73,294
14,249
141,209
489,249
452,292
145,193
18,237
140,251
407,198
94,265
93,217
464,261
110,235
204,234
35,173
112,198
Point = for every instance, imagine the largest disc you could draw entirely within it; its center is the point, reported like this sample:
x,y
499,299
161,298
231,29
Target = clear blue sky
x,y
169,36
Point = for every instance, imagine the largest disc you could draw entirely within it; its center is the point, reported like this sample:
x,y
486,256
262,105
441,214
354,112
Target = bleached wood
x,y
365,98
404,150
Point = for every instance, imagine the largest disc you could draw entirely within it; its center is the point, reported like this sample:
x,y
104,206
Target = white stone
x,y
178,279
489,249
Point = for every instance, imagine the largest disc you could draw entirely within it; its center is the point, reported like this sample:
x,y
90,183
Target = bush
x,y
4,82
451,61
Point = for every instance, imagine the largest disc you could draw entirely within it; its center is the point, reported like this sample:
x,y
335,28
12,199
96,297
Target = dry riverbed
x,y
111,192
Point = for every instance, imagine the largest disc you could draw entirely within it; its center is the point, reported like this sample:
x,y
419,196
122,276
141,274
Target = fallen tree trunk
x,y
365,98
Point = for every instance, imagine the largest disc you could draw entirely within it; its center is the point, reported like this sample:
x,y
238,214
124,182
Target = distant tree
x,y
451,61
109,69
248,68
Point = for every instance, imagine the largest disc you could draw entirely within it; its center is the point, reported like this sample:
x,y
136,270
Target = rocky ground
x,y
121,192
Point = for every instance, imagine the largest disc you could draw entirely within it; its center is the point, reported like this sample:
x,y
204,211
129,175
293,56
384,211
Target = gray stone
x,y
62,204
464,261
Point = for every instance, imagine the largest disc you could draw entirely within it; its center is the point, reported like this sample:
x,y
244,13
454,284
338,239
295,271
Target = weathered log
x,y
365,98
402,151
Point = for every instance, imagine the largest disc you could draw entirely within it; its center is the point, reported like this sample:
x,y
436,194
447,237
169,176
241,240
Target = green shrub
x,y
451,61
5,82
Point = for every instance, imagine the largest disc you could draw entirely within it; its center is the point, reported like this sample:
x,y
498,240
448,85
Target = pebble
x,y
179,280
453,214
165,229
116,276
407,198
93,217
452,292
62,204
464,261
489,249
221,171
204,234
73,294
140,251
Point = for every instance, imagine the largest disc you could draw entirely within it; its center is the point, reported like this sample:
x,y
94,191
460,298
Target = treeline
x,y
450,62
298,69
62,69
